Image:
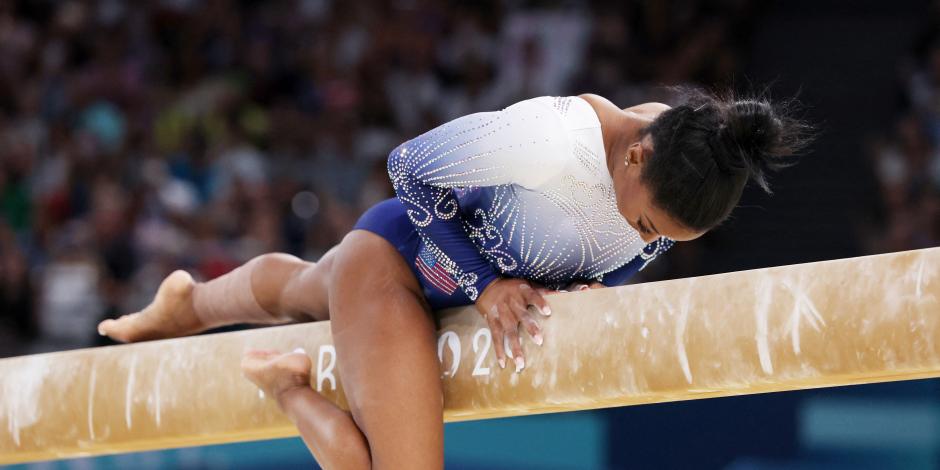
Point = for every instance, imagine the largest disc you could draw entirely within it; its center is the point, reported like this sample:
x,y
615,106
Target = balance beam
x,y
843,322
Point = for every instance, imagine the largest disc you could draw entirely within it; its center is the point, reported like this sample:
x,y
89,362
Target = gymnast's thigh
x,y
389,221
385,345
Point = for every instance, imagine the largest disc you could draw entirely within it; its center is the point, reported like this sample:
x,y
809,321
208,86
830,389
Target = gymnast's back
x,y
522,192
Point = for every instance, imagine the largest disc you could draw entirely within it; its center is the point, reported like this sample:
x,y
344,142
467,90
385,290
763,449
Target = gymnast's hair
x,y
706,149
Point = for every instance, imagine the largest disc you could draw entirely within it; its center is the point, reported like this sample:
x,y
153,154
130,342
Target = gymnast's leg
x,y
329,432
270,289
385,345
384,338
397,412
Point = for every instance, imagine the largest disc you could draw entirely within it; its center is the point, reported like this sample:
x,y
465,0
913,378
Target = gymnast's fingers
x,y
535,298
532,327
543,291
511,329
518,305
521,310
496,329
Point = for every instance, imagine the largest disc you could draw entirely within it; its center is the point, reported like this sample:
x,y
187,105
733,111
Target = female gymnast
x,y
493,209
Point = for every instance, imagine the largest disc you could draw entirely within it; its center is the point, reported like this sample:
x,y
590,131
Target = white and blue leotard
x,y
523,192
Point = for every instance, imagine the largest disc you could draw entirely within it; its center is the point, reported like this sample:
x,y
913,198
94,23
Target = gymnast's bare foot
x,y
170,314
276,373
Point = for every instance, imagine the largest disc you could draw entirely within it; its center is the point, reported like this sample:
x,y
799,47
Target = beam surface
x,y
842,322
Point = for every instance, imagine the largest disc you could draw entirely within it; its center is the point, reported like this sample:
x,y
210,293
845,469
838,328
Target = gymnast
x,y
495,209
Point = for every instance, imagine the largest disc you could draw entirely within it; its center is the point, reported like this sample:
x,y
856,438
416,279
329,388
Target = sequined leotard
x,y
523,192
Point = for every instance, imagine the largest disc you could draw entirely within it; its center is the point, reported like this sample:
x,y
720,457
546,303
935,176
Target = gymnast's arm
x,y
525,145
621,275
518,145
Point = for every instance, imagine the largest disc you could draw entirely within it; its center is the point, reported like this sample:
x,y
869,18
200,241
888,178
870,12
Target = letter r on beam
x,y
325,371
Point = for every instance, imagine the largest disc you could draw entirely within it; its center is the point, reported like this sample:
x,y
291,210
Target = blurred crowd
x,y
906,157
143,136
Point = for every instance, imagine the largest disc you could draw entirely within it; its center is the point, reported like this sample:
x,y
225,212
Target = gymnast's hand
x,y
504,304
580,286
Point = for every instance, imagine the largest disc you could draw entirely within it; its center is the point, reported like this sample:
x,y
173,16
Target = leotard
x,y
523,192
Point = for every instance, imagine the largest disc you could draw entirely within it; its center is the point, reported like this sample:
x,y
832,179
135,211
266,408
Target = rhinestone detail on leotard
x,y
523,192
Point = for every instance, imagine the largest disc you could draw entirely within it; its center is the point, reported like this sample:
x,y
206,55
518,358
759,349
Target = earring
x,y
626,161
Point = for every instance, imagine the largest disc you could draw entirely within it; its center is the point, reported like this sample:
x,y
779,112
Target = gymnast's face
x,y
635,200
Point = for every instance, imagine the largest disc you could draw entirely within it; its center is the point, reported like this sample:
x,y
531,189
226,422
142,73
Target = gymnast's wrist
x,y
483,299
485,282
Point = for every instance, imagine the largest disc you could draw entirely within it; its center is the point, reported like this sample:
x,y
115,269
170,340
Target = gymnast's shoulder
x,y
604,107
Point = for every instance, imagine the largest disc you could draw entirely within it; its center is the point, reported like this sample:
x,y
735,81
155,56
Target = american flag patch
x,y
432,270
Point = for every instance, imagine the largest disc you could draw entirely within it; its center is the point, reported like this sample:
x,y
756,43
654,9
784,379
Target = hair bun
x,y
756,137
707,148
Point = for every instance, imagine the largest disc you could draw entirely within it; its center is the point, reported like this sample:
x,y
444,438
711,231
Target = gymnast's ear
x,y
639,151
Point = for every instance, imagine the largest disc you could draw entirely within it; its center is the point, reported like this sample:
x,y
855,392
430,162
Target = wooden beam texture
x,y
842,322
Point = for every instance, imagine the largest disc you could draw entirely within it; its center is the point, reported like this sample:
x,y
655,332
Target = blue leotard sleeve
x,y
621,275
523,144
